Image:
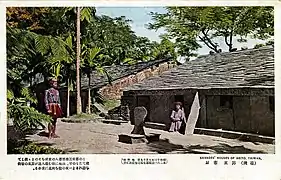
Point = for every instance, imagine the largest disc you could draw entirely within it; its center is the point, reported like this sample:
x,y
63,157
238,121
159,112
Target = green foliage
x,y
29,53
86,14
187,25
25,117
25,147
111,104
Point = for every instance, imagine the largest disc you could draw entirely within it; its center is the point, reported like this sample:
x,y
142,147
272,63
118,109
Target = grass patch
x,y
25,147
110,104
85,116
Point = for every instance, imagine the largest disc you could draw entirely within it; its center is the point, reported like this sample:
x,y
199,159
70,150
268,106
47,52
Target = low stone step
x,y
153,125
235,135
132,138
112,121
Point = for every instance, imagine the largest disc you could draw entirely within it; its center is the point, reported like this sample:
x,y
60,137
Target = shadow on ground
x,y
164,146
18,143
43,134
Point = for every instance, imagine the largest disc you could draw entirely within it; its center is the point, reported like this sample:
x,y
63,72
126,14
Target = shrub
x,y
24,117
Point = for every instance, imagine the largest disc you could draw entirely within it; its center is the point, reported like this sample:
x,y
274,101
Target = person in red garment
x,y
53,106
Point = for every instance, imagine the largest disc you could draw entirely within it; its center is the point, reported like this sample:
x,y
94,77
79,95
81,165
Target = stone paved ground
x,y
90,138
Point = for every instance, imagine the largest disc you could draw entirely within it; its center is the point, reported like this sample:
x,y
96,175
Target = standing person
x,y
53,106
177,117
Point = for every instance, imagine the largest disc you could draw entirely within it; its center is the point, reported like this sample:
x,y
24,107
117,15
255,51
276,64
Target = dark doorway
x,y
186,107
179,98
226,102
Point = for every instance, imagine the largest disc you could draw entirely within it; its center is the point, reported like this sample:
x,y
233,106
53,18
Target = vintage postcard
x,y
147,91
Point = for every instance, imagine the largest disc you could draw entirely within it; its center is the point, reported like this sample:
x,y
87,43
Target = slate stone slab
x,y
151,137
139,115
193,116
138,135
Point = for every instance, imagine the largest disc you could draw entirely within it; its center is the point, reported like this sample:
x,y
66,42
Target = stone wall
x,y
115,90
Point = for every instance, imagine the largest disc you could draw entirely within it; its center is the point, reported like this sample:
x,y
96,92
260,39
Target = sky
x,y
140,17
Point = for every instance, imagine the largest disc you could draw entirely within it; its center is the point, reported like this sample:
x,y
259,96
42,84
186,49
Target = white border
x,y
114,3
187,166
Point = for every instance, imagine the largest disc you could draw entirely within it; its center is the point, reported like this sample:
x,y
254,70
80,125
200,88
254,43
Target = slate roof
x,y
245,68
116,72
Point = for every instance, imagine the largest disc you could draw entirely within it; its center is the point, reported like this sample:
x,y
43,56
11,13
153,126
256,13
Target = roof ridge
x,y
145,62
238,51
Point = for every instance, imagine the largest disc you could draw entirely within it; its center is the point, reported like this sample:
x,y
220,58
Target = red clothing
x,y
52,102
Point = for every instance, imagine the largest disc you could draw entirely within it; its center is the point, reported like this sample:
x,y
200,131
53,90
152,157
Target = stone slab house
x,y
236,91
121,77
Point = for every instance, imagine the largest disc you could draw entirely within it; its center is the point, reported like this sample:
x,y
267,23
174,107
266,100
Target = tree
x,y
81,15
113,35
26,18
190,25
165,49
90,63
29,54
37,47
69,70
79,105
24,49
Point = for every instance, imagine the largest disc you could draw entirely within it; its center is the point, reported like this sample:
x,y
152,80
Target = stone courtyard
x,y
92,138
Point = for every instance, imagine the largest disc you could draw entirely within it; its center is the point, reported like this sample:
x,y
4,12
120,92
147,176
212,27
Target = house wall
x,y
115,90
263,118
250,114
159,107
218,117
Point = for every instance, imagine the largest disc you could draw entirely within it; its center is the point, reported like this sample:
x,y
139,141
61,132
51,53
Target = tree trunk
x,y
89,94
79,106
68,99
